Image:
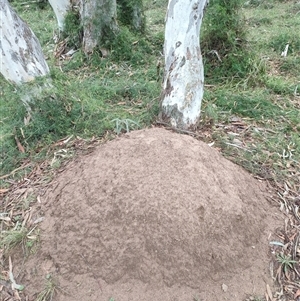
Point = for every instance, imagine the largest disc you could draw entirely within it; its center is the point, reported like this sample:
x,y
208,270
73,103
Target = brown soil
x,y
154,215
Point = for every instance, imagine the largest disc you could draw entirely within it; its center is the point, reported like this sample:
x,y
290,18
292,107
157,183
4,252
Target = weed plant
x,y
286,261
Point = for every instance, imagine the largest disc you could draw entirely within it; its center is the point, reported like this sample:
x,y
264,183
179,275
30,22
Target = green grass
x,y
84,96
266,99
89,96
270,131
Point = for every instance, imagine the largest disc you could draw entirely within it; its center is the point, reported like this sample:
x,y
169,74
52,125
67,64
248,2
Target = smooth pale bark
x,y
184,77
60,8
22,57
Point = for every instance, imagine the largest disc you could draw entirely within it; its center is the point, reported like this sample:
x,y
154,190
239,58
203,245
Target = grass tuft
x,y
125,125
18,236
49,291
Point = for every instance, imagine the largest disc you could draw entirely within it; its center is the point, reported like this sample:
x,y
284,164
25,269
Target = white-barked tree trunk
x,y
60,8
184,75
21,57
96,17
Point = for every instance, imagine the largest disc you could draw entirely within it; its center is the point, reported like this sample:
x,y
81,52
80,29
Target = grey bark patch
x,y
171,8
182,63
178,44
170,57
169,88
14,56
171,113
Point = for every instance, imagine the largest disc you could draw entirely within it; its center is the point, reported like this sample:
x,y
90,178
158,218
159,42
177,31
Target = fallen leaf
x,y
20,146
14,285
276,243
278,274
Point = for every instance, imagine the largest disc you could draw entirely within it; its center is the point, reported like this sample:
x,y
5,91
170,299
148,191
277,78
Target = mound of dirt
x,y
155,215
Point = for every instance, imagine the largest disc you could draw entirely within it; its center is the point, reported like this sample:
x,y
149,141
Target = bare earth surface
x,y
154,215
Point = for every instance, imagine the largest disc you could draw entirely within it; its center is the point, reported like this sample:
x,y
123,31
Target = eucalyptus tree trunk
x,y
60,8
138,17
184,77
132,13
97,18
22,57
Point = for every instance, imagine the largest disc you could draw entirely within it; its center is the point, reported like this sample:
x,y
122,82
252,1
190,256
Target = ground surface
x,y
153,215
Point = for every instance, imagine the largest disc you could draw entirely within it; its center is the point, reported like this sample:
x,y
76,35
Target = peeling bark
x,y
22,57
184,75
